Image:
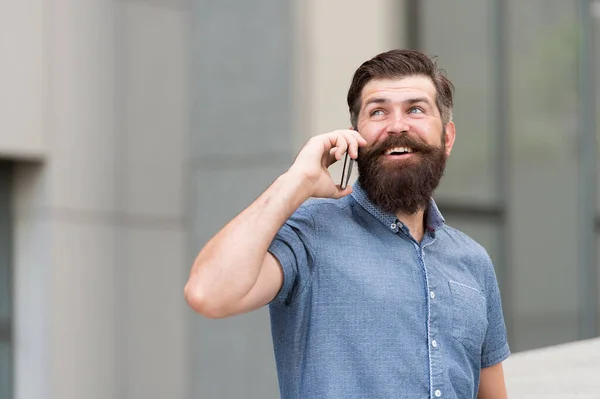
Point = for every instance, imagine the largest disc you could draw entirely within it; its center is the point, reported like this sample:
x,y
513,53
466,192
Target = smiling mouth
x,y
399,151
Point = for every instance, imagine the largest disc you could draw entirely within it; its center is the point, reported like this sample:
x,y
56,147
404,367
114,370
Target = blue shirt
x,y
365,311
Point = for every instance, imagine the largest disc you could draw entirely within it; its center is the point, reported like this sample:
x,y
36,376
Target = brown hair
x,y
396,64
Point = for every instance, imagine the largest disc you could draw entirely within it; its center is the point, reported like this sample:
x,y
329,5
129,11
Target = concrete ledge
x,y
559,372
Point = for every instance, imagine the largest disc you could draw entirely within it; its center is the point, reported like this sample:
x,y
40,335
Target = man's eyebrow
x,y
409,101
376,100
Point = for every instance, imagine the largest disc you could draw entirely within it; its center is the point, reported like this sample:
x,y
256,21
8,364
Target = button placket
x,y
435,334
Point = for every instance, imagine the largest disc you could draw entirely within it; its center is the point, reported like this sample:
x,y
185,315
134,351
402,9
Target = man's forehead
x,y
401,87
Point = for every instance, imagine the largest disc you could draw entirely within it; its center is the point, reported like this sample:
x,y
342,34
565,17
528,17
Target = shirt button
x,y
434,343
438,393
432,294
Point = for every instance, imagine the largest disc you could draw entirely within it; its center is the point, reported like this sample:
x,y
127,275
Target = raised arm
x,y
234,273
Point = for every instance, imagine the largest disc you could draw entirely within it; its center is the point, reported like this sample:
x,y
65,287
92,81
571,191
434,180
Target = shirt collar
x,y
435,220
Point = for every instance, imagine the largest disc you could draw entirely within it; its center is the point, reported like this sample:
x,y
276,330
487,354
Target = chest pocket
x,y
469,316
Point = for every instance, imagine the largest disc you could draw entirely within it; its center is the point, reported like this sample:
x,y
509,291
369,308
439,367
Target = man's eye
x,y
377,112
415,110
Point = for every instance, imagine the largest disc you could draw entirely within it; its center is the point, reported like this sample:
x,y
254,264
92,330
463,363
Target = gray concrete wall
x,y
153,112
241,141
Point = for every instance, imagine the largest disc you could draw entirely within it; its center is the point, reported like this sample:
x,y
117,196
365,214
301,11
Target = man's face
x,y
407,142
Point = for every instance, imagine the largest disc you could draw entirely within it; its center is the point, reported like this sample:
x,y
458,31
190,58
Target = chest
x,y
391,287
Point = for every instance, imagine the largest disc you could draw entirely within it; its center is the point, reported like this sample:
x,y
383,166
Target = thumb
x,y
339,193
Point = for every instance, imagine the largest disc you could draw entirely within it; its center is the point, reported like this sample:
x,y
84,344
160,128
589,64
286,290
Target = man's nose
x,y
398,124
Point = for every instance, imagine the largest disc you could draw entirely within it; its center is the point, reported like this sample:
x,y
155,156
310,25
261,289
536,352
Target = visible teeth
x,y
398,149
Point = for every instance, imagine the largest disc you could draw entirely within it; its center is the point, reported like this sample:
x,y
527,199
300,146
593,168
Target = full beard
x,y
404,185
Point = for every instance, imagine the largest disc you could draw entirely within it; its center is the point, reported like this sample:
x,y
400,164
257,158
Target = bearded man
x,y
371,294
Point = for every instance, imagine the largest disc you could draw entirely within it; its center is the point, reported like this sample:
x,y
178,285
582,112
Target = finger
x,y
333,136
330,159
333,141
352,144
345,140
342,146
339,193
354,153
353,149
361,140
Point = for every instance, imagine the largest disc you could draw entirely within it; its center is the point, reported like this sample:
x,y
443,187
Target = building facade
x,y
132,130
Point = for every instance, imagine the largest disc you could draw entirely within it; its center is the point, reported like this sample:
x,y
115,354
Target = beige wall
x,y
22,79
99,260
334,38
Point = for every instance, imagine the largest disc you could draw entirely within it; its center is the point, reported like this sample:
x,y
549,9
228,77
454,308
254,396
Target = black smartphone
x,y
346,171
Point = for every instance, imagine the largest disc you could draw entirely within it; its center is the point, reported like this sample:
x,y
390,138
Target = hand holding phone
x,y
318,154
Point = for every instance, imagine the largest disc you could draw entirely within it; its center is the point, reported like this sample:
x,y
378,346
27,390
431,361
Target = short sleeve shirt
x,y
365,311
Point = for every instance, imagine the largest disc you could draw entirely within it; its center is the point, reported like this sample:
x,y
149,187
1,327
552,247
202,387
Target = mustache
x,y
400,141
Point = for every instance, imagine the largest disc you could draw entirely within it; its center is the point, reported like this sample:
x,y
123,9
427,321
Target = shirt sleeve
x,y
292,246
495,347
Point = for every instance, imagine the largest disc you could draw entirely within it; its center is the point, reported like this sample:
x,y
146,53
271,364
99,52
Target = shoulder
x,y
469,253
319,209
465,244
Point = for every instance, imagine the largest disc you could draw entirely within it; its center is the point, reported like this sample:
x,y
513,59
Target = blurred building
x,y
132,130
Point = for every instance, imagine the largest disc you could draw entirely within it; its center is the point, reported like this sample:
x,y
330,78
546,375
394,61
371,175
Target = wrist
x,y
297,186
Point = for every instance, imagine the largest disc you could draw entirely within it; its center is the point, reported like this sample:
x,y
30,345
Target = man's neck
x,y
415,223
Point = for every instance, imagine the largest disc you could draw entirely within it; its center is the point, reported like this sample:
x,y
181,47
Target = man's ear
x,y
449,137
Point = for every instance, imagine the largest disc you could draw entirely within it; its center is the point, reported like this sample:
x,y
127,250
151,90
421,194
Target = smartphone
x,y
346,171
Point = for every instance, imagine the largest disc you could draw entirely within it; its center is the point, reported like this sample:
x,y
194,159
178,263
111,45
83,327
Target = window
x,y
514,181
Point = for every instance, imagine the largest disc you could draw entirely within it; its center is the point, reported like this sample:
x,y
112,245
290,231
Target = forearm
x,y
492,385
233,273
229,265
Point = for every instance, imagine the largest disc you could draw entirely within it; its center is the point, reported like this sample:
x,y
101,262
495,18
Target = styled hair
x,y
397,64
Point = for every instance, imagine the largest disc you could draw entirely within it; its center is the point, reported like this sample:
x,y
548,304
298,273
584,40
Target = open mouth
x,y
399,151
